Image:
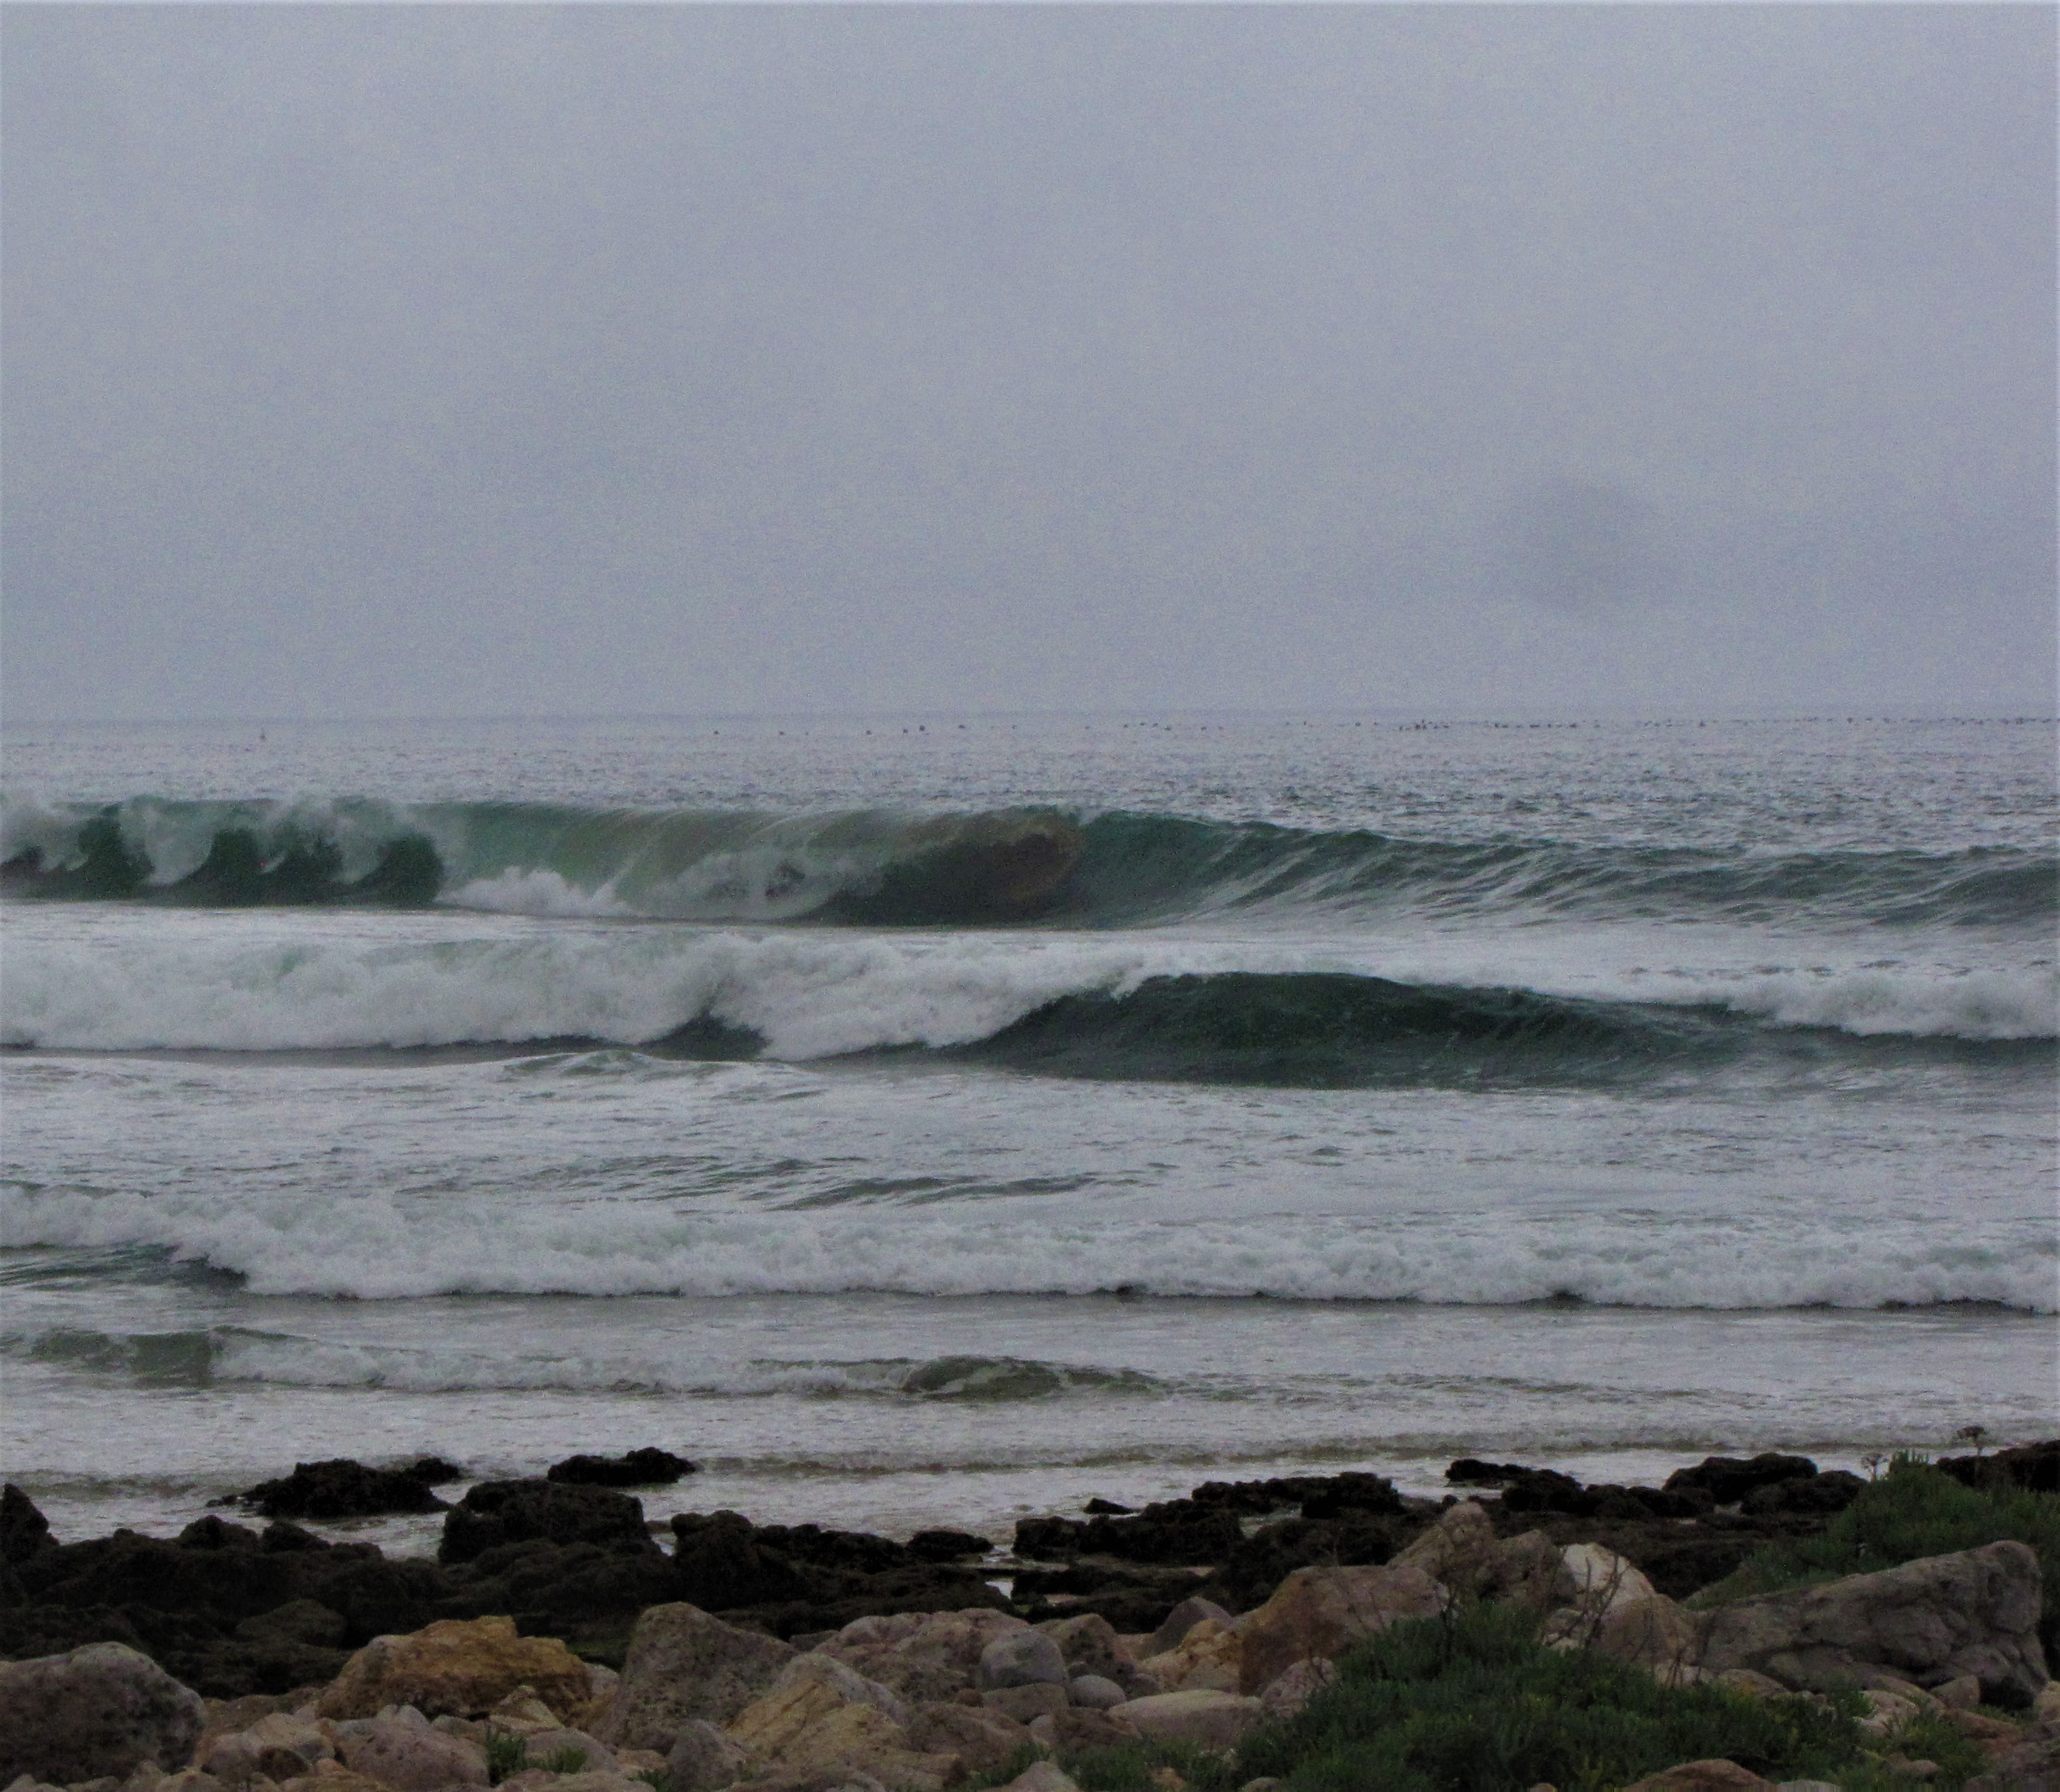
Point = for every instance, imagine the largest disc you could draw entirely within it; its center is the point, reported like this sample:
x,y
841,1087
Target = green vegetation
x,y
563,1760
1475,1703
504,1755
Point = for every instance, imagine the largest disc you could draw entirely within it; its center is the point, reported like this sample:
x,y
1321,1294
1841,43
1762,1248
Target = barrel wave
x,y
1002,866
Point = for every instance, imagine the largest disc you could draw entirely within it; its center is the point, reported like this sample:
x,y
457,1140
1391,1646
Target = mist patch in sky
x,y
605,359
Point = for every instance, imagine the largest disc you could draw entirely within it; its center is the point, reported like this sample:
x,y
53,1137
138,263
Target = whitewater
x,y
931,1119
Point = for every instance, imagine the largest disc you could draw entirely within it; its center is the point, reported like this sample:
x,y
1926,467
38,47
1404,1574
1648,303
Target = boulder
x,y
1703,1776
1596,1580
498,1512
460,1667
1322,1612
983,1738
412,1756
818,1716
1042,1776
703,1759
1021,1658
1180,1620
1974,1612
2033,1466
1527,1571
923,1656
1459,1551
1089,1644
1199,1717
280,1746
1091,1692
640,1468
683,1664
1077,1729
1026,1703
2032,1766
1210,1655
95,1711
1656,1634
1293,1690
1809,1496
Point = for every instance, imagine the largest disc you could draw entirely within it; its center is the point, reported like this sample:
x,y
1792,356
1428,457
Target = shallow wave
x,y
204,1357
881,867
1071,1005
376,1247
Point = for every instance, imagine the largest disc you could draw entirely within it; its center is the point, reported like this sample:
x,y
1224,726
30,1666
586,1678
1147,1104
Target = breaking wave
x,y
879,867
380,1247
1060,1004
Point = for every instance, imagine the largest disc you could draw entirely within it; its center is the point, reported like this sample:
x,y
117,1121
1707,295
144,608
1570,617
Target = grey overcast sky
x,y
470,360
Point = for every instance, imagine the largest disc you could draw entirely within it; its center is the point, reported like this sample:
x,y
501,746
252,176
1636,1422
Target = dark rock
x,y
1470,1472
1727,1479
297,1621
947,1546
24,1531
1546,1489
1317,1496
287,1538
2033,1467
1825,1494
497,1512
1184,1531
718,1566
213,1533
344,1489
1101,1508
640,1468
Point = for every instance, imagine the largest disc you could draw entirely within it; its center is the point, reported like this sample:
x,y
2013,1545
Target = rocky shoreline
x,y
709,1651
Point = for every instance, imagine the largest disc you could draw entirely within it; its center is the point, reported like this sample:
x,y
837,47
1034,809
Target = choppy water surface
x,y
971,1118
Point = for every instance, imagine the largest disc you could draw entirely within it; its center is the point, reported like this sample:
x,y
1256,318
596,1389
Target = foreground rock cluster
x,y
1189,1621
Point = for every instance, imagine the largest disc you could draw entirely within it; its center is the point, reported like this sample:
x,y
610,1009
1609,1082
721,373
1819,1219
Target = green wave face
x,y
880,868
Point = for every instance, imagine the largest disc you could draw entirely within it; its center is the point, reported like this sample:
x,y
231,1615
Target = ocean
x,y
936,1119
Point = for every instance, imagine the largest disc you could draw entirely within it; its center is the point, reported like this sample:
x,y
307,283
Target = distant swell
x,y
883,868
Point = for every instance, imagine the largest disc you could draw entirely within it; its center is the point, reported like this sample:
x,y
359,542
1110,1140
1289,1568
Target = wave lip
x,y
884,868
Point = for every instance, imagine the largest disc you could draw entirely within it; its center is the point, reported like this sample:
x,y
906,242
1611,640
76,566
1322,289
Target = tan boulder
x,y
1075,1730
279,1745
684,1663
1209,1656
1702,1776
1322,1612
413,1757
1089,1645
1289,1692
984,1739
703,1759
1200,1716
1973,1613
820,1715
1459,1551
461,1667
1527,1571
1042,1776
1025,1704
1655,1633
923,1656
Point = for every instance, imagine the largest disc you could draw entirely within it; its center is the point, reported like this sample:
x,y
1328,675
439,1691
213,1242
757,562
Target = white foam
x,y
376,1247
816,993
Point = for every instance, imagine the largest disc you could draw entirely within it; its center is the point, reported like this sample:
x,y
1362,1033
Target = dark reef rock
x,y
1824,1494
497,1512
640,1468
344,1489
1727,1480
947,1546
1317,1496
1172,1530
25,1533
2035,1467
1470,1472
